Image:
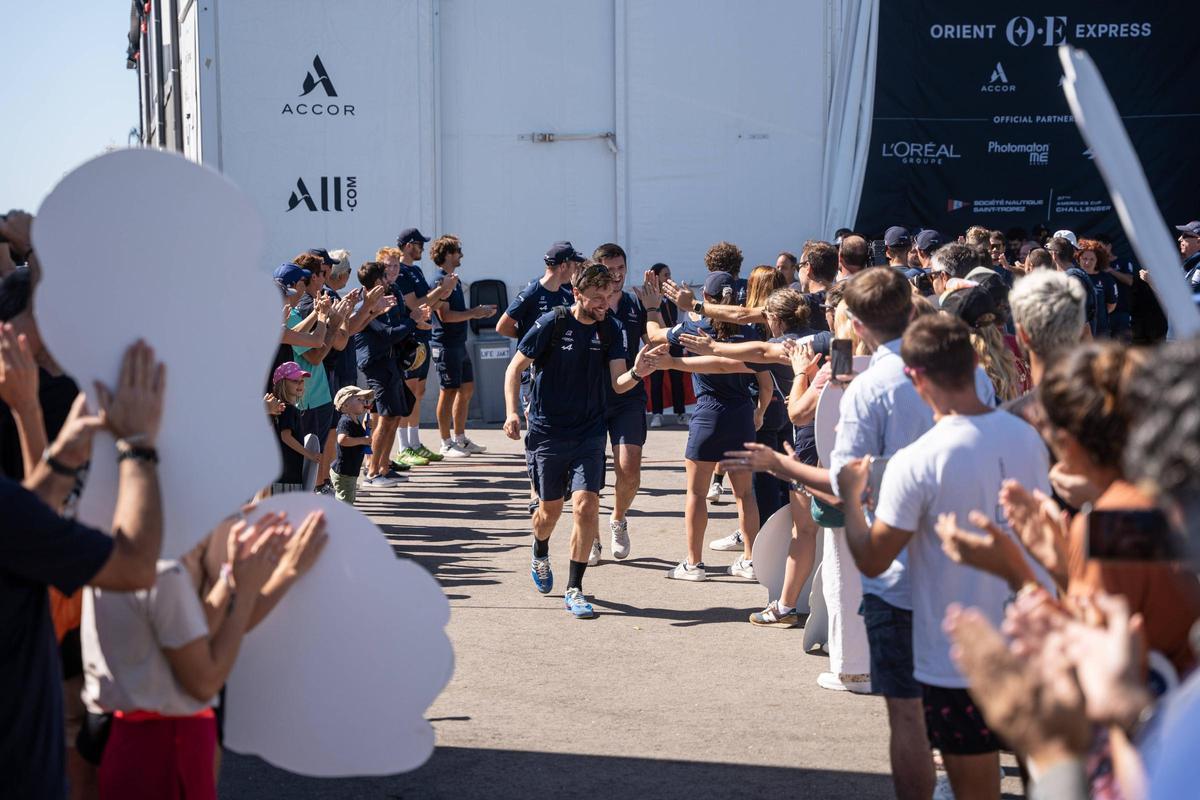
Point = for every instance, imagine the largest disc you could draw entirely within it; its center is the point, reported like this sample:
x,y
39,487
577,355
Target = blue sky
x,y
67,94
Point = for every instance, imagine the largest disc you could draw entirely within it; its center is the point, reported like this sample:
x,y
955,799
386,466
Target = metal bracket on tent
x,y
609,138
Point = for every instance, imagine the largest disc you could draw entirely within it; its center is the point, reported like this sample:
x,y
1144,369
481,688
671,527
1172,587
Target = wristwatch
x,y
698,307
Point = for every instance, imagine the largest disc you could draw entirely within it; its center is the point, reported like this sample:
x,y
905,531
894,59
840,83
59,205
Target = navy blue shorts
x,y
392,397
318,421
626,422
955,724
714,431
557,466
454,367
889,635
421,371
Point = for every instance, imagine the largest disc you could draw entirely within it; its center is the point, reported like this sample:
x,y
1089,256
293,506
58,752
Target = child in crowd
x,y
352,441
288,386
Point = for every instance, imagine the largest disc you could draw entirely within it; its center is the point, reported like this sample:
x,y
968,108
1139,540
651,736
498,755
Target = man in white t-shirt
x,y
955,467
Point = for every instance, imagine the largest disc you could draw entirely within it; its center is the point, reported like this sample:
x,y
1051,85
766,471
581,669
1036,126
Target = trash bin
x,y
490,353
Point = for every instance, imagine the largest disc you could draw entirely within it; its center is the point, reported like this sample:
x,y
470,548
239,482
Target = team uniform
x,y
625,415
411,280
450,341
564,448
530,304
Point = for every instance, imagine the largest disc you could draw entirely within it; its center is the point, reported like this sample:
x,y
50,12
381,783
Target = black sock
x,y
719,478
575,581
541,547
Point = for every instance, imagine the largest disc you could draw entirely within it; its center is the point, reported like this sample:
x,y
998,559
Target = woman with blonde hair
x,y
977,307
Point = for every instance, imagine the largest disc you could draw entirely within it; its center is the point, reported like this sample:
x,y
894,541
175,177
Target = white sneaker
x,y
684,571
594,556
620,537
382,482
742,569
682,419
731,542
469,446
715,490
453,450
656,421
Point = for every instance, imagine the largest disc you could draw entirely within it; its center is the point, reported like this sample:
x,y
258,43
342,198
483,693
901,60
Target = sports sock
x,y
447,442
414,437
575,580
784,609
719,478
541,548
402,433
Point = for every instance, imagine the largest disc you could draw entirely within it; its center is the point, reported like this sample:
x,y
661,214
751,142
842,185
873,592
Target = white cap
x,y
1069,236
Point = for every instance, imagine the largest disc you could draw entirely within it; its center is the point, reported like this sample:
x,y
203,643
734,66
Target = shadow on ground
x,y
460,773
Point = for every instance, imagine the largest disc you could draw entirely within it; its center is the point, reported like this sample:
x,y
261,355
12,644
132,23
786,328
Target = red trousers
x,y
159,758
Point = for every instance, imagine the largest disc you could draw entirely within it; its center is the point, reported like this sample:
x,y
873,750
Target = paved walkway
x,y
669,693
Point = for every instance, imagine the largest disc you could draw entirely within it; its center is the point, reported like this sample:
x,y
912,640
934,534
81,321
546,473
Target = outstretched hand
x,y
18,370
650,292
648,358
134,410
700,343
681,296
994,551
756,457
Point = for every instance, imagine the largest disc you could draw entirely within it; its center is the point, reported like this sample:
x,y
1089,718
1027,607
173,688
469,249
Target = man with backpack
x,y
574,351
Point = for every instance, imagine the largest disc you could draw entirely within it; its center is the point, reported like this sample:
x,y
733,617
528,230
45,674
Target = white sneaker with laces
x,y
715,490
620,537
453,450
594,556
684,571
731,542
742,569
656,421
469,446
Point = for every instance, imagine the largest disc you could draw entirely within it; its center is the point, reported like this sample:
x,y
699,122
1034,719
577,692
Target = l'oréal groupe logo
x,y
318,78
334,193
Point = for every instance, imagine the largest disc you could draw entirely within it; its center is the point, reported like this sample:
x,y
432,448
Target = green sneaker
x,y
427,454
411,458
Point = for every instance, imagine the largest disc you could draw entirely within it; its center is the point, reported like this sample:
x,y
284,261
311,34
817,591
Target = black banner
x,y
971,126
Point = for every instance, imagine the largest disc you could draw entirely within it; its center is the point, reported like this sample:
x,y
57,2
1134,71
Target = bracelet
x,y
144,454
59,468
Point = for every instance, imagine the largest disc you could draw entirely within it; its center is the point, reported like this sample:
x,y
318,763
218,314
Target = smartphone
x,y
1133,535
841,357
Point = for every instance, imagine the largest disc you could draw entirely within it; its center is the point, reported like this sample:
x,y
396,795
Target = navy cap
x,y
929,240
410,235
562,252
717,282
1192,228
289,274
323,254
972,306
896,235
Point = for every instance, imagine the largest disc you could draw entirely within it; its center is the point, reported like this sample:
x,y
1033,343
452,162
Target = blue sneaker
x,y
543,578
577,604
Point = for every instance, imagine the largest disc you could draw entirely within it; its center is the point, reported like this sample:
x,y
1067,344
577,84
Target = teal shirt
x,y
316,388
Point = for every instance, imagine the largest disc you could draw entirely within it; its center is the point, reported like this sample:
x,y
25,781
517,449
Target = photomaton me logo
x,y
318,78
334,193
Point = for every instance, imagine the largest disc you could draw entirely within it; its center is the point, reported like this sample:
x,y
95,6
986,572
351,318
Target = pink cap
x,y
289,370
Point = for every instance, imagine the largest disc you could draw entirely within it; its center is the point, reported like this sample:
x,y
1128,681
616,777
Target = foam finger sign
x,y
336,680
143,244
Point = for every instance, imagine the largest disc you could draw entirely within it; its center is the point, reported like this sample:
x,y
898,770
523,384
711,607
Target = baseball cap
x,y
410,235
15,291
971,305
928,240
289,274
896,235
717,282
1192,228
561,252
323,254
289,370
1068,235
346,392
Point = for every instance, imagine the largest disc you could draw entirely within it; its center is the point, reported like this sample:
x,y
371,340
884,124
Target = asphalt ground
x,y
669,693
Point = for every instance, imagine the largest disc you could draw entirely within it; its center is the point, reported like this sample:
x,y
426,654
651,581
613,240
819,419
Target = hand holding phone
x,y
1133,534
841,359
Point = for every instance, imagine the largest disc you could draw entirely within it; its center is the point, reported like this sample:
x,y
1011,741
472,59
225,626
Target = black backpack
x,y
561,314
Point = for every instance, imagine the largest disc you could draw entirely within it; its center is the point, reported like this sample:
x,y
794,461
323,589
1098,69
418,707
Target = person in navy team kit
x,y
626,414
413,292
574,351
455,373
726,418
540,295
